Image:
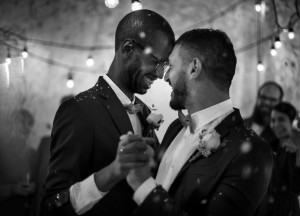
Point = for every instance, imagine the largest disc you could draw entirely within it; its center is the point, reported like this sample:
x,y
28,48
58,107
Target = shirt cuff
x,y
84,195
144,190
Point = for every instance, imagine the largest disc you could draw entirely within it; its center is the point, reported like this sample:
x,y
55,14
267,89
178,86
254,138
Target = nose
x,y
166,77
159,74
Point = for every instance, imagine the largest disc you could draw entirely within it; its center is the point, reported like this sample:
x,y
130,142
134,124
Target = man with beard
x,y
87,168
211,164
268,96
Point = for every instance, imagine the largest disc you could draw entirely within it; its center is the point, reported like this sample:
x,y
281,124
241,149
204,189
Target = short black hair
x,y
272,83
140,25
288,109
215,51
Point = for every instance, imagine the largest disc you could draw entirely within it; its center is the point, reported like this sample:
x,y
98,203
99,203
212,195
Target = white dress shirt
x,y
182,147
85,194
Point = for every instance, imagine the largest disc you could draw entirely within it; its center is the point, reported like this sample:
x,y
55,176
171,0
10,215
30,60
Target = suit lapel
x,y
113,106
232,120
142,116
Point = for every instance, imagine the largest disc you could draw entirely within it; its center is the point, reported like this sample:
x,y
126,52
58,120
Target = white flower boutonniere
x,y
155,120
209,142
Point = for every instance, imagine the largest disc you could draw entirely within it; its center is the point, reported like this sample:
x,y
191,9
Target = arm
x,y
237,192
71,149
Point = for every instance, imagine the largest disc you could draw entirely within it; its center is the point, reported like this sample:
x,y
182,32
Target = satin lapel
x,y
234,119
143,116
114,106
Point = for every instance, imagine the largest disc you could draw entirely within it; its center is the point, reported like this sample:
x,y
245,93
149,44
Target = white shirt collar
x,y
122,97
203,117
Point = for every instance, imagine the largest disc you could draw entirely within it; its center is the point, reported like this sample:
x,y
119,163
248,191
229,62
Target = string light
x,y
111,3
291,33
257,6
277,42
90,61
25,53
273,51
70,81
136,5
260,67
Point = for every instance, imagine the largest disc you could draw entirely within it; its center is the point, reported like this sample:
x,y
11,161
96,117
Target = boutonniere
x,y
155,120
208,142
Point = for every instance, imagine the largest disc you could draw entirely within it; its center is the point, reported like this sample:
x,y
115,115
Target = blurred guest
x,y
43,156
284,187
269,95
16,186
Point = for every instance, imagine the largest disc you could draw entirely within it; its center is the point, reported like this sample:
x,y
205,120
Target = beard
x,y
262,116
180,92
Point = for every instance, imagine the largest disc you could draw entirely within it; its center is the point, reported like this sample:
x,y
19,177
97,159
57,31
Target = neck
x,y
115,74
207,98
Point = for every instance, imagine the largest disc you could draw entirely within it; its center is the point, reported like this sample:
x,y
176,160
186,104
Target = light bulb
x,y
291,33
8,59
25,53
257,7
111,3
277,42
273,51
90,61
136,5
260,66
70,81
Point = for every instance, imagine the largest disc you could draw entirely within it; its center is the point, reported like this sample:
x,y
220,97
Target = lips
x,y
148,79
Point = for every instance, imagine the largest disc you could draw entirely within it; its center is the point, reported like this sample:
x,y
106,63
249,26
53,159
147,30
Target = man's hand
x,y
137,176
131,154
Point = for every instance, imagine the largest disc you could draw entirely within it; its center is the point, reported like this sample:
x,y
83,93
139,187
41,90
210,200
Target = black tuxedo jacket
x,y
232,181
85,138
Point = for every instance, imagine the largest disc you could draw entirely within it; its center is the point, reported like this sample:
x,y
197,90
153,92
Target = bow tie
x,y
134,108
186,120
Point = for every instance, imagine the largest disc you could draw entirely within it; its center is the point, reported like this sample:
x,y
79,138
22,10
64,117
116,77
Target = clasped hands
x,y
135,158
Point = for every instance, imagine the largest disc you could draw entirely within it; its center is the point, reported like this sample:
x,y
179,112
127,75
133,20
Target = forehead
x,y
161,45
270,91
175,55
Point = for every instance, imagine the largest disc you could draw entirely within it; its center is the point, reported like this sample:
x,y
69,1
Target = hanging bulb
x,y
277,42
291,33
136,5
273,51
90,61
257,6
260,67
25,53
8,58
111,3
70,81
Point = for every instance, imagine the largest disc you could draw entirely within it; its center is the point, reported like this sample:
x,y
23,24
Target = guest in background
x,y
43,156
16,186
269,95
281,199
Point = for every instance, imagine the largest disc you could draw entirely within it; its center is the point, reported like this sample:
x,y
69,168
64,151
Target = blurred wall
x,y
39,86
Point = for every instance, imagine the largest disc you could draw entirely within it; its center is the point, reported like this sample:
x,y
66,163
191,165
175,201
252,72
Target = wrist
x,y
106,178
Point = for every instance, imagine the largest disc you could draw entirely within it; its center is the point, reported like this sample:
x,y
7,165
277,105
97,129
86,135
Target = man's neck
x,y
116,80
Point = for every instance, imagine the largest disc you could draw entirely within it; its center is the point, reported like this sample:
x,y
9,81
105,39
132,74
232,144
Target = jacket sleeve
x,y
238,191
71,147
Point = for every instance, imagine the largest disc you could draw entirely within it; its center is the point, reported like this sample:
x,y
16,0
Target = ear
x,y
127,46
194,68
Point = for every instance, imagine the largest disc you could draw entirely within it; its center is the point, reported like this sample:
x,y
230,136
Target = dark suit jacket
x,y
85,138
232,181
267,134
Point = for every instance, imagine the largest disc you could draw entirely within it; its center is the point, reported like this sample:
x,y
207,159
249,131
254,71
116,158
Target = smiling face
x,y
146,64
177,79
281,124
